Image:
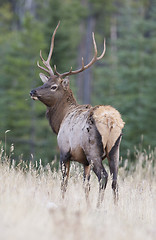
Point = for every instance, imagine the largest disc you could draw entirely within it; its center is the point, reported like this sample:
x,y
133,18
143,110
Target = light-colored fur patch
x,y
109,116
109,123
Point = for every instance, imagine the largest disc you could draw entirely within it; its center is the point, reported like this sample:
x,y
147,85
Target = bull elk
x,y
85,134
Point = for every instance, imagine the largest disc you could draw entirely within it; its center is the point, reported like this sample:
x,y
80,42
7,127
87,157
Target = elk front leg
x,y
113,158
86,181
65,167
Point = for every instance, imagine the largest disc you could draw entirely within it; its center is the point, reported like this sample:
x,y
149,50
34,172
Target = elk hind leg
x,y
113,158
87,169
102,175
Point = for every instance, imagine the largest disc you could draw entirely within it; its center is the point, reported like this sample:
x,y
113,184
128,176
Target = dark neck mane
x,y
57,113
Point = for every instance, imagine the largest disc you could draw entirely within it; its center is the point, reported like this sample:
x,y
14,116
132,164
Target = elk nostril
x,y
33,92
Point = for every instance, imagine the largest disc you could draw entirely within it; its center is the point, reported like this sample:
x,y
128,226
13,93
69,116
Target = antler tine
x,y
94,43
95,54
104,50
46,70
84,67
52,43
47,62
82,62
55,71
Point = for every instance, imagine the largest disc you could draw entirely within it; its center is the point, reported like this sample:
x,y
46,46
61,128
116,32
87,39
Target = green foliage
x,y
125,78
66,40
30,131
130,86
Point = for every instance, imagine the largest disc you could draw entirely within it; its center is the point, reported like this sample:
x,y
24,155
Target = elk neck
x,y
57,113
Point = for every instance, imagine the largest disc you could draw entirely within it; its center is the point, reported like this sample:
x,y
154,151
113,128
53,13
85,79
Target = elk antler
x,y
94,59
46,63
48,68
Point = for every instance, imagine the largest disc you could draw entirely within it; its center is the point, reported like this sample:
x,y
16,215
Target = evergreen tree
x,y
128,81
27,134
125,78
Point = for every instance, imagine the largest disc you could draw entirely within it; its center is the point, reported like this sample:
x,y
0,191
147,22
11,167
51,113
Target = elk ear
x,y
65,83
43,77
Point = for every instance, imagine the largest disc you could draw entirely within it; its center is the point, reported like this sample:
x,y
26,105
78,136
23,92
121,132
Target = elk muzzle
x,y
33,94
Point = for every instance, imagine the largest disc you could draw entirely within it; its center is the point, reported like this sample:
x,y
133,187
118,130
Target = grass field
x,y
31,206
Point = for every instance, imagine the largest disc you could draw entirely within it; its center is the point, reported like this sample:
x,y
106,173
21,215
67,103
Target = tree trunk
x,y
89,54
84,79
80,76
113,37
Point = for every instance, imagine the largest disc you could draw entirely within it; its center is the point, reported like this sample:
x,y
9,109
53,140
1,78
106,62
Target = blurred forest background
x,y
125,78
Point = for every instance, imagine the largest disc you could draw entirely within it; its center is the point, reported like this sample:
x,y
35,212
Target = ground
x,y
31,206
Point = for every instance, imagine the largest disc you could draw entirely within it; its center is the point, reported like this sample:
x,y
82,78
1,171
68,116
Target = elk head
x,y
56,85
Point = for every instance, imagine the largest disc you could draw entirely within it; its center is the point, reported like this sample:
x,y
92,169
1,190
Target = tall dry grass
x,y
31,206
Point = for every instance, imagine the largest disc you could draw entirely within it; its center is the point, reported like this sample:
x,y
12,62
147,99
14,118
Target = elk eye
x,y
53,87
